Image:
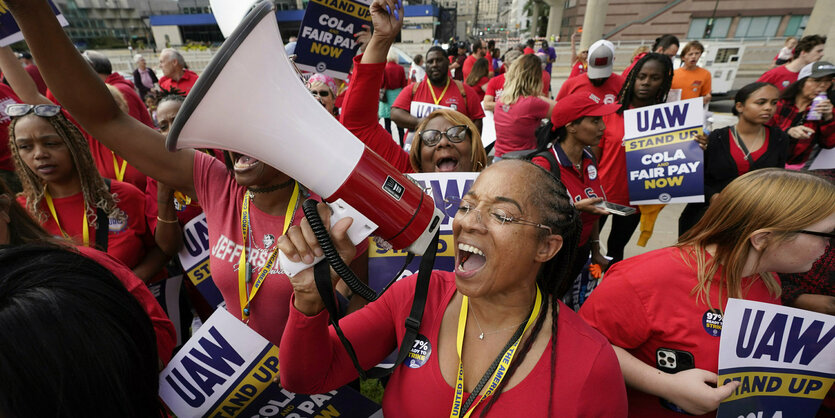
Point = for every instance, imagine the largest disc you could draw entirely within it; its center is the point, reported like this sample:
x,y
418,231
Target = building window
x,y
796,26
698,26
758,27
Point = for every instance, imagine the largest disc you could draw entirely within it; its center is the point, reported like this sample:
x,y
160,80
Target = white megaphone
x,y
250,100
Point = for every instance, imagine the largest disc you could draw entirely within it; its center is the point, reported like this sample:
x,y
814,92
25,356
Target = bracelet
x,y
166,221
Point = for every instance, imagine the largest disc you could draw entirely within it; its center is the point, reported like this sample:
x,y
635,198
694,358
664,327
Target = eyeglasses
x,y
42,110
455,134
497,216
826,235
320,93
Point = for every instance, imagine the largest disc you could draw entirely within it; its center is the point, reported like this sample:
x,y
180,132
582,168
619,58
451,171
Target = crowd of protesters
x,y
92,210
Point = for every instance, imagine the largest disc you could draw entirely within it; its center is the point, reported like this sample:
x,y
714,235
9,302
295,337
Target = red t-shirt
x,y
7,97
362,120
645,303
580,185
127,241
607,92
588,379
471,106
780,77
528,50
742,165
477,87
613,160
577,69
516,124
163,328
221,198
395,77
135,103
470,61
185,83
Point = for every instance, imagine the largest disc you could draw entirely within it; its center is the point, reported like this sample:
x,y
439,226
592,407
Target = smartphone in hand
x,y
616,209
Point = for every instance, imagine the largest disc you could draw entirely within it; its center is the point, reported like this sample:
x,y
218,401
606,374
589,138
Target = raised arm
x,y
19,80
85,96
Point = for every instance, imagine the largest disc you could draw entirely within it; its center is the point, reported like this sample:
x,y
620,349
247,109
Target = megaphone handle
x,y
360,229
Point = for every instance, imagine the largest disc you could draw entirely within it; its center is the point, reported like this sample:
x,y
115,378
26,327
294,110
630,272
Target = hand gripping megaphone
x,y
250,100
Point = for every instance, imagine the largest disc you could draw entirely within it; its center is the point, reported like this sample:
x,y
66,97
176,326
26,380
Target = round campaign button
x,y
419,353
712,321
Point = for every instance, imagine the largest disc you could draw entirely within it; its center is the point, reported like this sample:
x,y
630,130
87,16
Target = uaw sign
x,y
784,359
663,160
227,370
194,256
326,39
10,32
384,263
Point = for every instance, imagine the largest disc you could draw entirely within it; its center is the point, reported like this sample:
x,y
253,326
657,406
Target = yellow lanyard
x,y
500,372
432,90
244,269
85,229
120,171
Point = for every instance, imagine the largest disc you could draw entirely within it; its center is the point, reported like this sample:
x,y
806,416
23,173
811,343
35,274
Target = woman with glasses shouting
x,y
66,194
662,310
446,140
495,340
248,204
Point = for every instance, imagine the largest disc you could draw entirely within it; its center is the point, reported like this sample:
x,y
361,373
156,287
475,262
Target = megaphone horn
x,y
249,100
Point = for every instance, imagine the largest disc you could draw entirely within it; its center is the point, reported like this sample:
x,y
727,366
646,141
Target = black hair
x,y
490,45
100,63
545,44
555,277
791,92
808,43
530,43
664,42
627,92
74,339
436,48
546,135
745,92
418,59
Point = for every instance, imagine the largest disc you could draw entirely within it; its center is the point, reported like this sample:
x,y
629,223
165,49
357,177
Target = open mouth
x,y
470,258
245,163
46,169
446,164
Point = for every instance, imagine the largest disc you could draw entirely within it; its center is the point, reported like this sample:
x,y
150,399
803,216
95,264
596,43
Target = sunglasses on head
x,y
455,134
42,110
320,93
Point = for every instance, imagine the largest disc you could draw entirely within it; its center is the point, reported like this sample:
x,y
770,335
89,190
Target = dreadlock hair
x,y
554,279
627,92
170,95
95,191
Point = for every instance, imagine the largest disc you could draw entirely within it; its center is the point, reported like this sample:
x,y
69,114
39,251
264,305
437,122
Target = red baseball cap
x,y
577,105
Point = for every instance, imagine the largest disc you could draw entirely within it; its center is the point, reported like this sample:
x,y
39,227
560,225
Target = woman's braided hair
x,y
94,189
551,198
627,92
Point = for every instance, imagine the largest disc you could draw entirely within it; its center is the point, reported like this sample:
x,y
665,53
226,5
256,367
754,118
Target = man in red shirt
x,y
101,64
807,51
529,47
478,52
175,73
437,91
599,79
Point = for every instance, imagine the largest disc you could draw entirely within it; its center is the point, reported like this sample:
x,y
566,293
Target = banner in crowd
x,y
226,370
663,160
326,39
783,357
384,263
194,257
10,32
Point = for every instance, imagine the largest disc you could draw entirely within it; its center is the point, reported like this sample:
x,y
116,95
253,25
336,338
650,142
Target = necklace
x,y
481,336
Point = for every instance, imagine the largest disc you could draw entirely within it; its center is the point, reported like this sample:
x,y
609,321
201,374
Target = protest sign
x,y
825,160
384,263
663,160
194,257
227,370
167,294
783,357
10,32
326,39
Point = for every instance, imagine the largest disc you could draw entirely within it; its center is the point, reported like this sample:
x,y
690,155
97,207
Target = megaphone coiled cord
x,y
342,269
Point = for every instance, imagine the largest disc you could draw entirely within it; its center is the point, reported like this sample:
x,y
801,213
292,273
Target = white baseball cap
x,y
816,70
601,58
